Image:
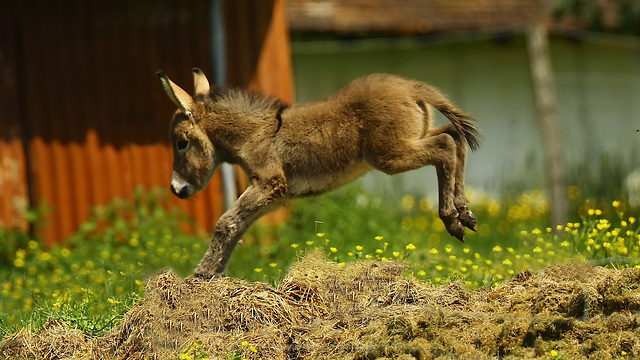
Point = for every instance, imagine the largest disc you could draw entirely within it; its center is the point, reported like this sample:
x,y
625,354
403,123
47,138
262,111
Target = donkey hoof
x,y
204,276
207,276
467,219
456,229
205,272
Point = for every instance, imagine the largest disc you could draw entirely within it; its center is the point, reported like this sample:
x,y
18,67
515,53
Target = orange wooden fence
x,y
83,118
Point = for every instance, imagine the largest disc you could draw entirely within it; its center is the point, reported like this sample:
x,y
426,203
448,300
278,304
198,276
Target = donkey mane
x,y
246,101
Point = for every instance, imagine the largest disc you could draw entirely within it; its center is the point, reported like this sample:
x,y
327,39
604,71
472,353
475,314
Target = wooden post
x,y
537,41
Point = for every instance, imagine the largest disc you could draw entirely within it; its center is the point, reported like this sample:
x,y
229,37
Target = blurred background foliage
x,y
100,272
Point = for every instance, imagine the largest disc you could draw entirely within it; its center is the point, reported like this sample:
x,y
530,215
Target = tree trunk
x,y
546,106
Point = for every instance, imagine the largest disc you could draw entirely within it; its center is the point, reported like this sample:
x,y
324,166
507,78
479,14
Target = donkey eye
x,y
181,145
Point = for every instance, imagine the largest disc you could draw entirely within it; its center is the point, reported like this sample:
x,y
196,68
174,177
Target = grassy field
x,y
100,272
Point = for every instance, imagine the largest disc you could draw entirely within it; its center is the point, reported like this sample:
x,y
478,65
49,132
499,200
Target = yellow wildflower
x,y
407,202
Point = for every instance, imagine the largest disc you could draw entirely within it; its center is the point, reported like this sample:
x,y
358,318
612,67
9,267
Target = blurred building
x,y
477,52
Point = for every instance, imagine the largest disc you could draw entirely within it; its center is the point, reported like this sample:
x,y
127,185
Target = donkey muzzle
x,y
180,187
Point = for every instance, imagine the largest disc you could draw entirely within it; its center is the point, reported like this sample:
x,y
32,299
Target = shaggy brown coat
x,y
379,121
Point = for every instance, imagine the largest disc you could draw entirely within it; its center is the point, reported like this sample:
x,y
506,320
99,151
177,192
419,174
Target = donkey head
x,y
193,153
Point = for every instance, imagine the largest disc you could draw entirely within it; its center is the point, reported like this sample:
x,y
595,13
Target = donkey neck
x,y
233,131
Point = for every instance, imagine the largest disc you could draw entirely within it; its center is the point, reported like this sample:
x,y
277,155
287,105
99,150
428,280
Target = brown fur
x,y
378,122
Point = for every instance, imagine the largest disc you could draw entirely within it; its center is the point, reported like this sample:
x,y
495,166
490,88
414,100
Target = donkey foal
x,y
378,122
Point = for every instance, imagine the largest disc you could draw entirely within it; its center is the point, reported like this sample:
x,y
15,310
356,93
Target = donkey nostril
x,y
180,187
184,192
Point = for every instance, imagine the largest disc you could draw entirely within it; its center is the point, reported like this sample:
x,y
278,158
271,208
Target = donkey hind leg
x,y
438,150
460,201
256,201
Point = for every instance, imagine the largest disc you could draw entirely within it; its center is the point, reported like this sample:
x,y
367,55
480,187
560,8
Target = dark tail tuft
x,y
465,125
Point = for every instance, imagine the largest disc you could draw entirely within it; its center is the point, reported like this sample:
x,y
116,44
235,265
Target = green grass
x,y
100,272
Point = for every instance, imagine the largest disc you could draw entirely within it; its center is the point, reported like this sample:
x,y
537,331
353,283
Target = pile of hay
x,y
367,310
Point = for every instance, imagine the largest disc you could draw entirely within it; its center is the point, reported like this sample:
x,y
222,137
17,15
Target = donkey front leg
x,y
257,200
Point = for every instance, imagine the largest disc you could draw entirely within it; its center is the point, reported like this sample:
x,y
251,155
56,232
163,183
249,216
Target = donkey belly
x,y
315,183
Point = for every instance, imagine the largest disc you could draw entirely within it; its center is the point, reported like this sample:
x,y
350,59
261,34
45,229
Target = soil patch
x,y
366,310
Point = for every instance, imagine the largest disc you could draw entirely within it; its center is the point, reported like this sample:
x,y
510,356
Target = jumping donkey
x,y
379,121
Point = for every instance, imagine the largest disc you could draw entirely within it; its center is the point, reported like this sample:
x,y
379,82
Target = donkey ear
x,y
181,98
200,83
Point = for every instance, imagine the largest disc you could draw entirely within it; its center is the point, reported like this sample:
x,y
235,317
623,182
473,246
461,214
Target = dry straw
x,y
366,310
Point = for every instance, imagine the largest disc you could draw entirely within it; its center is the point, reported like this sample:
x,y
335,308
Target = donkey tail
x,y
462,121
